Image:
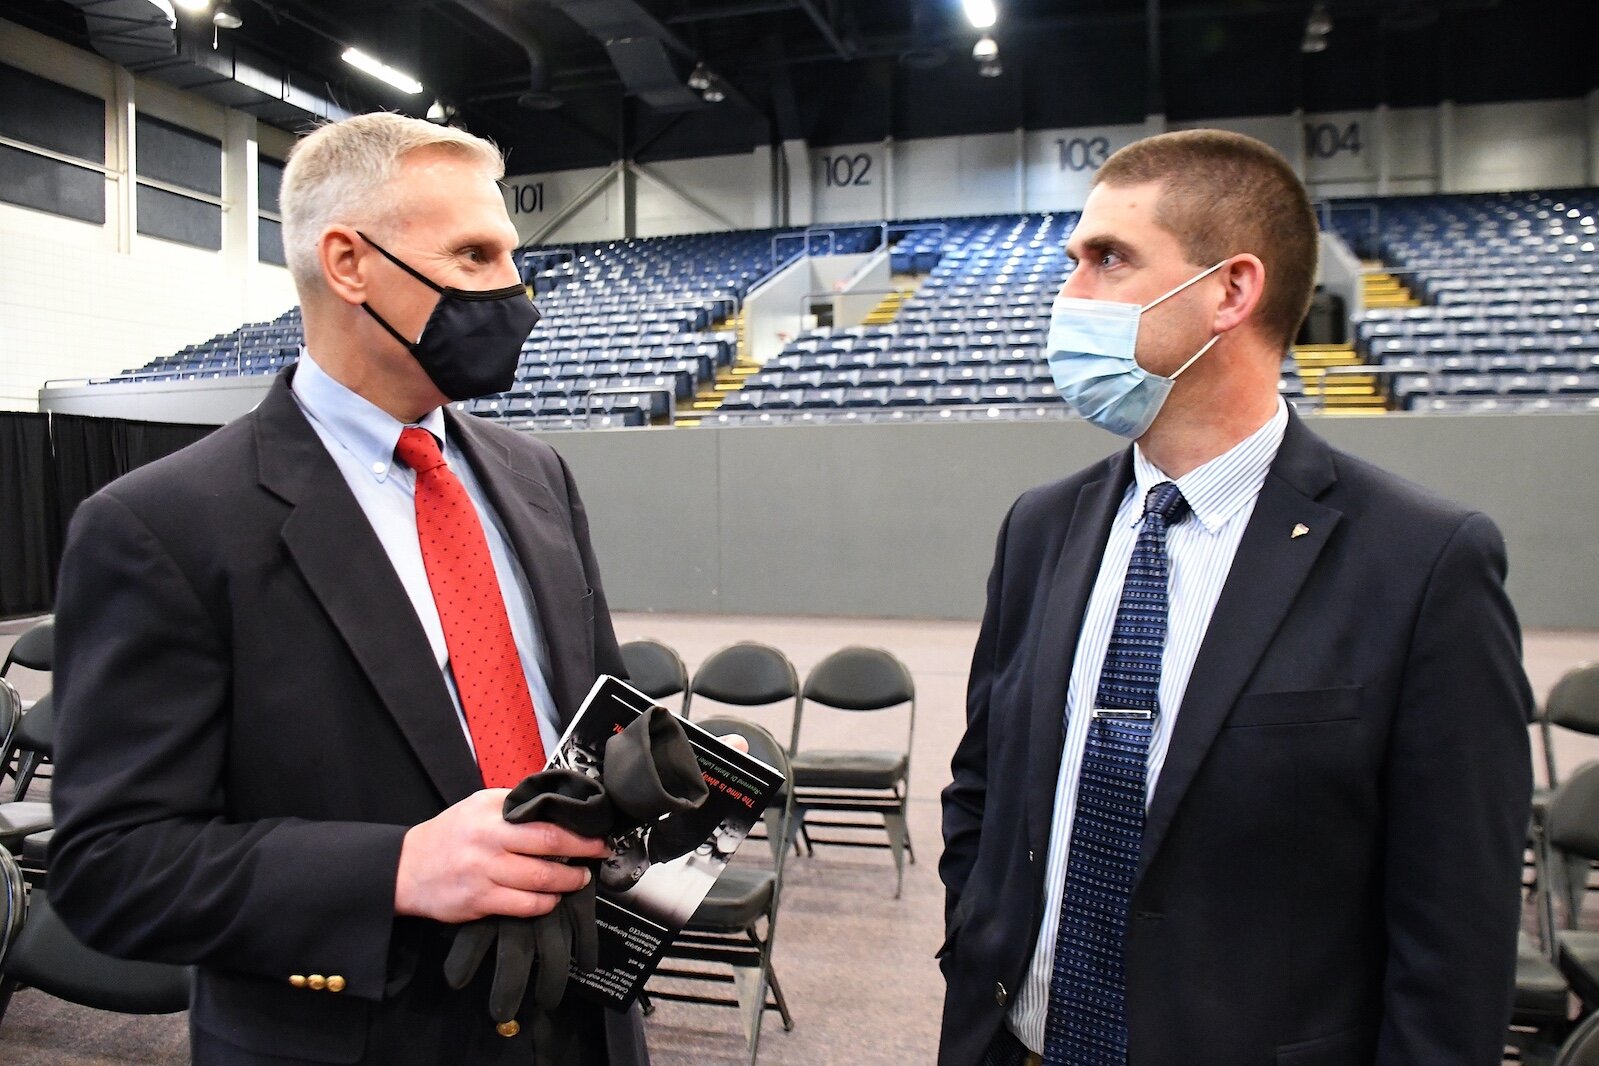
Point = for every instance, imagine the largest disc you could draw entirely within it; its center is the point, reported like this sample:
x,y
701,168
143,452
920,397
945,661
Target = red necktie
x,y
477,633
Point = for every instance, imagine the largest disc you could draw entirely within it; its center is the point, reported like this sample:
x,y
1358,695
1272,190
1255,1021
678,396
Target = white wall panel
x,y
727,185
535,200
848,182
1524,145
955,176
1412,160
1061,164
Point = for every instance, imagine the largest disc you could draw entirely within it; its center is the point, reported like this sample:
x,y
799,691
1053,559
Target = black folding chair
x,y
41,952
1572,844
858,781
726,929
655,669
17,819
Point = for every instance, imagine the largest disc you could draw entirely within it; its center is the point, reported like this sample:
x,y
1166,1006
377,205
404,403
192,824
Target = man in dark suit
x,y
1307,667
280,700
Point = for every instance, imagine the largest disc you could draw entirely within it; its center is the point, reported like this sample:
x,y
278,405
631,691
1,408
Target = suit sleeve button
x,y
316,982
335,983
297,980
1000,995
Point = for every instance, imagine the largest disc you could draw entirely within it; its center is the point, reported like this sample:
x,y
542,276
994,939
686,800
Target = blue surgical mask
x,y
1090,349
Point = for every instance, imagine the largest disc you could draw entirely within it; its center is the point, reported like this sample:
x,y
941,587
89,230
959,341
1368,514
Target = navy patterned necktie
x,y
1087,1020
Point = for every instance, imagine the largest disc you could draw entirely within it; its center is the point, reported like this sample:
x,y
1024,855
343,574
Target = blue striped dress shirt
x,y
1200,550
360,436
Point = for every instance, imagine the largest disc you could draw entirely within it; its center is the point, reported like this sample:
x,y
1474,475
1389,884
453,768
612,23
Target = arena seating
x,y
1510,284
625,333
634,329
969,345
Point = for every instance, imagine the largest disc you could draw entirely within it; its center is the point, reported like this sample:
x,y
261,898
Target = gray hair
x,y
339,173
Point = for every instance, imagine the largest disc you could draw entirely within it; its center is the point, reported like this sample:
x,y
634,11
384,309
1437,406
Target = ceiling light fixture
x,y
382,71
226,16
985,48
194,6
700,79
1319,22
1313,43
980,13
713,95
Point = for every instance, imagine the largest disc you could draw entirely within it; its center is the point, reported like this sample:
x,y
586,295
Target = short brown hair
x,y
1224,194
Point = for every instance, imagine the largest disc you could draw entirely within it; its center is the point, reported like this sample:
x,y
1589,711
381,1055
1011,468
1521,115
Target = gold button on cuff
x,y
316,982
335,983
297,980
508,1029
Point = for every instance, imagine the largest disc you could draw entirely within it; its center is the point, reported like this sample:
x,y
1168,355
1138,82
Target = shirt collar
x,y
360,427
1216,490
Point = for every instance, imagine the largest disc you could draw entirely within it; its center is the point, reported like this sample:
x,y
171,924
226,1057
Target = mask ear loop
x,y
424,279
1195,357
1191,281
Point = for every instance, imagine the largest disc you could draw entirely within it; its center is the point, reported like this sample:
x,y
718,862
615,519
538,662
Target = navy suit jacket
x,y
249,719
1330,866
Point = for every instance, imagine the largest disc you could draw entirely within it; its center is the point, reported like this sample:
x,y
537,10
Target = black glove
x,y
649,771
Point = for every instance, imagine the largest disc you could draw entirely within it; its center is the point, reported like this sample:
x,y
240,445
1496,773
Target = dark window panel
x,y
178,156
39,111
269,183
178,218
48,185
269,237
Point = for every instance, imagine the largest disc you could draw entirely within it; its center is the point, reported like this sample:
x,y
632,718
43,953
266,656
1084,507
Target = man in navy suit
x,y
1336,780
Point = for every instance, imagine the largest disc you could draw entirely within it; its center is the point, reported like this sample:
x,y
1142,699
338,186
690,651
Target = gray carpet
x,y
856,964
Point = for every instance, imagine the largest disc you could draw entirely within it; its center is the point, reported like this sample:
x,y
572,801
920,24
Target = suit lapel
x,y
530,512
347,570
1076,570
1268,570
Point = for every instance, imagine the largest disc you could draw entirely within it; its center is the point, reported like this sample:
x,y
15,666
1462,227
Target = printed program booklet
x,y
656,876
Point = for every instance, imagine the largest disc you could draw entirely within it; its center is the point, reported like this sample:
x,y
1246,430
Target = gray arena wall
x,y
898,521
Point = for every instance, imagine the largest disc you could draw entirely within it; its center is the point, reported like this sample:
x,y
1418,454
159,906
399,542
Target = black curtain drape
x,y
30,535
48,465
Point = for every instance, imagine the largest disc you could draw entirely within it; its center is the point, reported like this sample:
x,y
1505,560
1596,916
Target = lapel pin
x,y
1300,529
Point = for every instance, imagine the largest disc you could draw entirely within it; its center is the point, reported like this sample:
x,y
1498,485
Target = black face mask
x,y
473,340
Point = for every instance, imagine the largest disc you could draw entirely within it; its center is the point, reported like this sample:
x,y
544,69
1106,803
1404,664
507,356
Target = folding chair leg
x,y
777,996
7,987
27,765
898,842
750,990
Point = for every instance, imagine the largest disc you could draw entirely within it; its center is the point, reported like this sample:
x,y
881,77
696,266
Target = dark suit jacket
x,y
250,717
1329,872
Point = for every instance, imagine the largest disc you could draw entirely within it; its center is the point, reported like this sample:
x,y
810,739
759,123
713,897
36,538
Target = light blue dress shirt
x,y
361,437
1200,550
